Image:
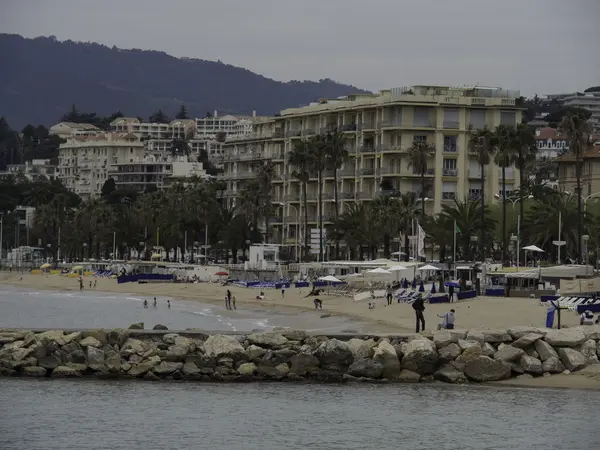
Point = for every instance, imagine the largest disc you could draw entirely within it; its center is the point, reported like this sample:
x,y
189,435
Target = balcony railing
x,y
292,197
293,133
368,171
278,134
389,123
450,148
347,172
451,124
448,195
450,172
347,195
423,124
427,172
328,128
367,125
365,195
474,196
389,171
348,127
308,132
367,148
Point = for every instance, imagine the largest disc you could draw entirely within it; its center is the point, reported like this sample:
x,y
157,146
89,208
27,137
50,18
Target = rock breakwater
x,y
452,356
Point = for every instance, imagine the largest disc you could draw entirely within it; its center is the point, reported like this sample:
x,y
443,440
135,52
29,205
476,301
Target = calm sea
x,y
128,415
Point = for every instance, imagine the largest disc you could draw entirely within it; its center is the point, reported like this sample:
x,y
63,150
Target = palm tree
x,y
482,144
266,175
408,211
299,160
356,227
318,163
418,156
385,213
526,150
337,155
506,142
576,127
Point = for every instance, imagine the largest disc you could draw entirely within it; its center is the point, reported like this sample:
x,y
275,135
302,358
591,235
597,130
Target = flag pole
x,y
454,251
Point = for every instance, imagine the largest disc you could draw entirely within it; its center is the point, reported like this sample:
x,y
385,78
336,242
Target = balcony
x,y
474,196
308,132
450,172
244,175
391,148
448,195
348,127
389,123
278,134
330,128
390,171
347,172
428,172
423,124
367,125
450,148
365,195
367,149
452,124
347,195
478,101
292,198
367,172
293,133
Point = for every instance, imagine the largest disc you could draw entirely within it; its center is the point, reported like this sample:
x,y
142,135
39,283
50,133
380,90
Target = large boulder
x,y
408,376
255,352
176,353
509,354
303,364
565,337
160,326
291,334
443,338
267,339
386,355
49,362
420,356
588,349
572,359
218,345
137,326
366,368
450,374
464,344
95,356
90,341
591,332
247,369
98,334
57,336
545,350
169,338
475,336
167,368
449,353
484,368
469,353
140,369
531,365
191,370
495,336
34,371
361,349
527,340
117,336
334,355
519,331
488,349
553,365
65,372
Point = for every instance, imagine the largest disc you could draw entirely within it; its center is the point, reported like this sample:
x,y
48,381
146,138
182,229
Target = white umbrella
x,y
397,268
398,253
330,278
533,248
379,271
428,267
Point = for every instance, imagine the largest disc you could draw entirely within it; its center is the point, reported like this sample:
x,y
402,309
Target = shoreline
x,y
478,313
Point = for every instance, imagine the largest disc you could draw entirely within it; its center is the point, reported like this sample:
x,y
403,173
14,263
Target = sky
x,y
535,46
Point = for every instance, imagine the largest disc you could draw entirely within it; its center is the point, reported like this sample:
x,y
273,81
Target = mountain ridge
x,y
46,77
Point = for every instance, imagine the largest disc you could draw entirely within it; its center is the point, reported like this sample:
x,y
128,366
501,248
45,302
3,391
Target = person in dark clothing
x,y
451,293
419,306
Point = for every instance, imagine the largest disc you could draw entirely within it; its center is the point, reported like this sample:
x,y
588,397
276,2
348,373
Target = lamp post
x,y
585,238
514,202
142,246
84,249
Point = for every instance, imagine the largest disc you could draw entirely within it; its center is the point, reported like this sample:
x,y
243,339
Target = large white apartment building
x,y
379,130
589,101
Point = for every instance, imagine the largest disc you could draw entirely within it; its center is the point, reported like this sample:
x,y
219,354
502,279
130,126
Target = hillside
x,y
44,77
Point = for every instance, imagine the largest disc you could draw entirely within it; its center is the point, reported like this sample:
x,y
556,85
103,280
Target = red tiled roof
x,y
569,157
548,133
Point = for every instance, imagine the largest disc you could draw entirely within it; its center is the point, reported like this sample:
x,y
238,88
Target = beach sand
x,y
480,312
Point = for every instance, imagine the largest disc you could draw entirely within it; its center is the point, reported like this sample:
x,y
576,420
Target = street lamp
x,y
84,250
514,202
142,247
585,238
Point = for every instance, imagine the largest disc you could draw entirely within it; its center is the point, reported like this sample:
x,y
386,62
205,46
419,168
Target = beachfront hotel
x,y
379,129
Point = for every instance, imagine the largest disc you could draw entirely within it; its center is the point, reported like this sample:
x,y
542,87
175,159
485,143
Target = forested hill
x,y
43,77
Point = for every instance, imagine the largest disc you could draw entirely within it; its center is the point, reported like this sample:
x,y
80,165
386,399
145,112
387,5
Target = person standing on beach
x,y
228,299
419,306
233,302
451,293
154,303
388,294
283,290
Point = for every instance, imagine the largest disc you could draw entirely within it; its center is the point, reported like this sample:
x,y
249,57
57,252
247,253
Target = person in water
x,y
169,304
154,303
145,303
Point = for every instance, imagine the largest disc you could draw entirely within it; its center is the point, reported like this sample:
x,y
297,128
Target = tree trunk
x,y
521,206
319,180
423,194
579,209
306,231
406,244
386,245
503,215
482,237
337,209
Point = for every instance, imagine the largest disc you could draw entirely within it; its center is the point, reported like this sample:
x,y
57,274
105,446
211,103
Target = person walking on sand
x,y
154,303
419,306
448,320
168,304
228,299
283,290
233,302
388,294
95,281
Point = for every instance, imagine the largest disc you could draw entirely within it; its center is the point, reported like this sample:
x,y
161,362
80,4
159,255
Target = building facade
x,y
379,129
31,169
590,172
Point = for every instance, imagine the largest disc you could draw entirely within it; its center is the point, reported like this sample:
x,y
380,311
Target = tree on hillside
x,y
108,187
182,114
554,119
158,117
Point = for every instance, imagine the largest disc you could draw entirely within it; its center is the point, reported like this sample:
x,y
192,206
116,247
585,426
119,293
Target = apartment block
x,y
590,172
379,129
30,170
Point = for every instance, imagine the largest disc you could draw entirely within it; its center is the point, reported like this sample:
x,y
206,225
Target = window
x,y
421,117
420,138
451,118
450,144
477,119
448,190
508,118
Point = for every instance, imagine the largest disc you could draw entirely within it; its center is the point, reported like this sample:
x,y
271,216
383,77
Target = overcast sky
x,y
537,46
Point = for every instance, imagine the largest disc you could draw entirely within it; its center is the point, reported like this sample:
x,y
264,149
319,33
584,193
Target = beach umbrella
x,y
397,268
221,274
533,248
155,256
330,279
433,291
45,266
379,271
452,284
414,283
77,268
428,267
422,287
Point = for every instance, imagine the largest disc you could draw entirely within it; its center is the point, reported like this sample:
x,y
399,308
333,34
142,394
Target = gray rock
x,y
143,367
151,376
255,352
591,332
117,336
572,359
483,368
267,339
408,376
476,336
113,363
8,337
545,350
420,356
221,345
531,365
98,334
65,372
49,362
565,337
167,368
496,336
469,353
509,354
302,364
449,353
247,369
186,342
22,353
588,349
365,368
169,338
90,341
160,326
553,365
527,340
520,331
176,353
443,338
137,326
291,334
29,339
488,349
25,362
34,371
191,370
531,352
282,370
361,349
464,344
334,355
53,335
524,376
450,374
